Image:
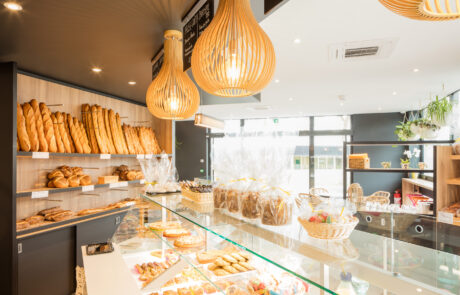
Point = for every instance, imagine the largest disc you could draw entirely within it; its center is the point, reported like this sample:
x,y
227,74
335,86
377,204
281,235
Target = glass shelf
x,y
387,264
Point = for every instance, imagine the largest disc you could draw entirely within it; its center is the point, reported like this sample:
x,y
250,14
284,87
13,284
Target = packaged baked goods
x,y
276,206
251,199
219,194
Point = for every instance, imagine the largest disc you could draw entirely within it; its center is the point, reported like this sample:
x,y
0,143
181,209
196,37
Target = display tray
x,y
282,245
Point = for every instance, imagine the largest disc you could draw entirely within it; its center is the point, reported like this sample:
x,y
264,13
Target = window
x,y
333,123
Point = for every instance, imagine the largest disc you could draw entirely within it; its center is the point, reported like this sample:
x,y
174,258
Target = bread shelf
x,y
66,223
41,155
455,157
40,193
393,170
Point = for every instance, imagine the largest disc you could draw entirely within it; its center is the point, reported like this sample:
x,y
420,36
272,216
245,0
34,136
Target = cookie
x,y
220,262
244,255
188,242
184,291
246,265
238,257
239,267
213,266
229,258
220,272
175,232
208,288
205,257
230,269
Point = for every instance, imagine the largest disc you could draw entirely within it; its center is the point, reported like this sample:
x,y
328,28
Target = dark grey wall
x,y
190,150
378,127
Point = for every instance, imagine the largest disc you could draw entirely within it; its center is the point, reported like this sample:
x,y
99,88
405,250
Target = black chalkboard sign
x,y
157,63
270,4
193,29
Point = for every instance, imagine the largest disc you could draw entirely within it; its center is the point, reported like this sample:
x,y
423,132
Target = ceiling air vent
x,y
361,50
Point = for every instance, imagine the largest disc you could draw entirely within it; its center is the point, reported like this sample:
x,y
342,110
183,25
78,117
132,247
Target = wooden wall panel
x,y
446,168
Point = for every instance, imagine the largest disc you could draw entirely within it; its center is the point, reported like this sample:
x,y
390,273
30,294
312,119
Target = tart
x,y
188,242
175,232
163,225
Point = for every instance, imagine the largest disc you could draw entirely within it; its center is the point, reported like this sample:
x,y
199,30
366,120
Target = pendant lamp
x,y
172,94
423,9
233,57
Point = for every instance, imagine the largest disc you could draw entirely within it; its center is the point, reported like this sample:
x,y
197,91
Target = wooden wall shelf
x,y
29,193
391,170
455,157
40,155
69,222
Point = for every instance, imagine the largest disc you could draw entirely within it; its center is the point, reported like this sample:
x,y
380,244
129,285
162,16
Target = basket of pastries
x,y
200,193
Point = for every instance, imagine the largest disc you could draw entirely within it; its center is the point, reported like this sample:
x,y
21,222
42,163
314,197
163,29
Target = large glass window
x,y
333,123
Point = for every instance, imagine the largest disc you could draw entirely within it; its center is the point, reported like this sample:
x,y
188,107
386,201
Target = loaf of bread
x,y
139,148
88,122
31,127
69,136
63,132
112,123
60,182
22,224
156,146
108,130
48,128
144,140
57,135
97,131
74,181
50,210
122,135
90,211
100,120
74,134
35,219
60,216
129,139
55,173
83,136
43,143
77,170
23,137
84,179
68,171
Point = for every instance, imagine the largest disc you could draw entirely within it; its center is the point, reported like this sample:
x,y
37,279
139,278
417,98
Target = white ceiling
x,y
314,83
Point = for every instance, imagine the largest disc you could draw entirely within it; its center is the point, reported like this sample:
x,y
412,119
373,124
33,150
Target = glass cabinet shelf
x,y
386,265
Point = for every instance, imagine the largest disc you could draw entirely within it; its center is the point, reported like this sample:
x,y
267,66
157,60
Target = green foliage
x,y
438,109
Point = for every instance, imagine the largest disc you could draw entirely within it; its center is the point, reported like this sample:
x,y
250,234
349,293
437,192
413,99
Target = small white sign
x,y
140,157
149,156
118,184
40,155
105,156
445,217
39,194
87,188
142,181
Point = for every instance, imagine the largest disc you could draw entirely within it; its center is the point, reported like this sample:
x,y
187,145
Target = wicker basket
x,y
198,197
329,231
207,207
358,163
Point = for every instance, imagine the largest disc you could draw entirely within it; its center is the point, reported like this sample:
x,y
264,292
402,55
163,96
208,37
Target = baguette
x,y
143,140
157,147
90,211
121,134
137,143
23,137
102,129
97,131
88,122
82,135
112,123
43,144
74,134
31,127
50,210
57,133
110,138
62,132
48,128
129,139
69,136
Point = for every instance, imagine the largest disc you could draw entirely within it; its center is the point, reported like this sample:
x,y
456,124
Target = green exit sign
x,y
276,120
201,170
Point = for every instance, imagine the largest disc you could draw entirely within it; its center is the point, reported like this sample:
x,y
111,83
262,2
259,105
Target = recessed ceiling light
x,y
277,80
394,93
291,99
12,6
297,41
415,70
132,82
96,70
419,290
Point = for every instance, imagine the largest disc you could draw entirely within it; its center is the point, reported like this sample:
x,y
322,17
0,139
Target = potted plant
x,y
404,132
438,111
405,163
386,165
428,130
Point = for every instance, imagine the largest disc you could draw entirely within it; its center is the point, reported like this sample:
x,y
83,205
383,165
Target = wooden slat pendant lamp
x,y
233,57
423,9
172,94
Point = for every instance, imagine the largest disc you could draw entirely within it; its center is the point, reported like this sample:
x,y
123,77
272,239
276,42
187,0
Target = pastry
x,y
108,130
246,265
43,143
229,258
175,232
23,137
238,257
121,134
66,170
55,173
239,267
49,210
196,290
77,170
219,196
276,212
213,266
188,242
205,257
31,127
221,262
180,280
232,201
22,224
84,179
57,135
88,122
169,292
131,175
221,272
35,219
74,181
244,255
250,207
50,183
63,132
184,291
208,288
48,128
60,182
230,269
90,211
97,131
162,225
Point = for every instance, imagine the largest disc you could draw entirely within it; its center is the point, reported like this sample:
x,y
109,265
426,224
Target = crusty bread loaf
x,y
69,136
157,148
22,224
74,181
82,135
48,128
23,137
43,144
88,122
100,120
97,131
105,114
143,140
121,134
112,123
90,211
57,135
31,127
60,182
137,142
129,139
84,179
50,210
63,132
74,134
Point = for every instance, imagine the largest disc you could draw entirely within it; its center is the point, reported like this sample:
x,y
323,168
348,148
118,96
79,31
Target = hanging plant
x,y
427,129
438,111
404,131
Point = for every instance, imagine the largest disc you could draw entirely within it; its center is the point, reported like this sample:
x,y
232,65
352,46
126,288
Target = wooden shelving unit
x,y
40,155
448,183
390,170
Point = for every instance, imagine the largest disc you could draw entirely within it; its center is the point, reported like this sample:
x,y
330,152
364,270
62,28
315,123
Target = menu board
x,y
157,62
194,28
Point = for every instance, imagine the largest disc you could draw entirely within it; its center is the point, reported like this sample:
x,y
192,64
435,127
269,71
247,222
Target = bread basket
x,y
198,197
329,231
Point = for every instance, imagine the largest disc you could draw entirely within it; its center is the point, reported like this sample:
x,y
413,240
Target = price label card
x,y
40,194
40,155
142,181
118,184
87,188
140,157
149,156
105,156
445,217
